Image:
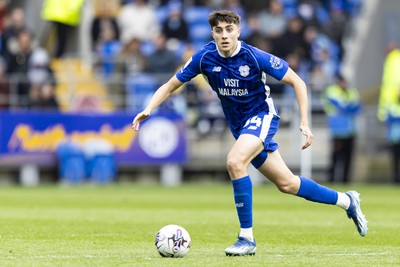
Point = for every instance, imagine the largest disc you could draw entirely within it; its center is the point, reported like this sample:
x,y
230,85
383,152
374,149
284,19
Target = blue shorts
x,y
263,125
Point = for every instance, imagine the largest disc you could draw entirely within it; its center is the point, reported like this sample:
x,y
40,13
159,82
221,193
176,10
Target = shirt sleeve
x,y
191,68
270,64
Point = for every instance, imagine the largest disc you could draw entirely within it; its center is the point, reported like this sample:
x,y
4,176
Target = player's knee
x,y
287,186
234,165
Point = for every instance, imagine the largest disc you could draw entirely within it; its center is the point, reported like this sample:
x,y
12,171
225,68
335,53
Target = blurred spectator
x,y
254,6
65,15
138,20
389,103
390,80
108,48
273,20
299,66
15,23
42,96
320,54
17,65
163,62
393,135
3,11
255,38
4,86
175,26
342,104
39,69
307,10
318,80
292,40
236,6
312,37
129,61
327,64
104,24
42,81
335,27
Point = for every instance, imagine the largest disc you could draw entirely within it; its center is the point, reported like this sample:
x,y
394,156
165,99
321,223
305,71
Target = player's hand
x,y
308,134
138,119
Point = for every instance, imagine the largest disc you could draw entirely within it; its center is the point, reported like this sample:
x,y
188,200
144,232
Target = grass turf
x,y
115,225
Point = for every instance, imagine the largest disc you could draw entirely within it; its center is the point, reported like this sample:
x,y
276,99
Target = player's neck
x,y
232,52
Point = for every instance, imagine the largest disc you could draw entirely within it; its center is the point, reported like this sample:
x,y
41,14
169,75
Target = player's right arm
x,y
187,72
162,94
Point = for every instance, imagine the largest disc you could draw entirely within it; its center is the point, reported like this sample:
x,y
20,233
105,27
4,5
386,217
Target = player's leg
x,y
275,169
245,148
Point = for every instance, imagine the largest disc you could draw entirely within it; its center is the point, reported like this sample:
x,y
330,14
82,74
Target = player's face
x,y
226,37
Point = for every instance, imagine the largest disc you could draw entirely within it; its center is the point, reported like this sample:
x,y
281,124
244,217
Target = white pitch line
x,y
338,254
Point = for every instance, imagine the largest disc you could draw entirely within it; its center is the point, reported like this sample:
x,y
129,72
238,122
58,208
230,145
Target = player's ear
x,y
239,32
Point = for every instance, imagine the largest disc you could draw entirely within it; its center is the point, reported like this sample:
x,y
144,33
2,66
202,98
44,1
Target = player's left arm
x,y
300,89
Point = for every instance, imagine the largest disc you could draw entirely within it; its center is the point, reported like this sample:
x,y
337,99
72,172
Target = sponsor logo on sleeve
x,y
276,62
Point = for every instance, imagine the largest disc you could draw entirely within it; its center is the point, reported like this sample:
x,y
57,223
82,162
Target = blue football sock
x,y
313,191
243,194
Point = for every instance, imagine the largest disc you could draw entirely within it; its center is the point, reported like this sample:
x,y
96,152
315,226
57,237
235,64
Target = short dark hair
x,y
223,15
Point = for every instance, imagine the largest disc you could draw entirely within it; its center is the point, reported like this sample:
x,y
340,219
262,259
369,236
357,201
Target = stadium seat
x,y
200,33
289,8
101,165
196,14
71,161
162,13
197,20
102,168
138,89
147,48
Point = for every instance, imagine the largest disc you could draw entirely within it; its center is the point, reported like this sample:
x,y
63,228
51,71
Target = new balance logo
x,y
216,69
240,205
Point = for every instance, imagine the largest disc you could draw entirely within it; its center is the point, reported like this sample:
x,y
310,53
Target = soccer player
x,y
237,73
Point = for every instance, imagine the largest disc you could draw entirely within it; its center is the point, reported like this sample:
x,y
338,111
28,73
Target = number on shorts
x,y
254,123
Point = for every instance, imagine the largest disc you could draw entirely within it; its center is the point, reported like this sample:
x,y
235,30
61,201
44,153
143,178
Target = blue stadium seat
x,y
103,168
72,164
162,13
199,29
138,88
147,48
289,8
194,15
101,165
200,32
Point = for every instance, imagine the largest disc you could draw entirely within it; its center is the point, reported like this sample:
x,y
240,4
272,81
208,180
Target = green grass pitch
x,y
115,225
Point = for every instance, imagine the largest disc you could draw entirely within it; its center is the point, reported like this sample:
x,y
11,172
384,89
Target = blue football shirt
x,y
238,80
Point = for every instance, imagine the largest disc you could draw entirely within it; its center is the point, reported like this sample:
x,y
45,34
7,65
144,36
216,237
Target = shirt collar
x,y
239,46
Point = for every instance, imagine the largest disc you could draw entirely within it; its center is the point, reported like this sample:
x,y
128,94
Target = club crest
x,y
244,70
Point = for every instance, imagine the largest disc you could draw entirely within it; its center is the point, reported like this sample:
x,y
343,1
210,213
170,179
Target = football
x,y
172,241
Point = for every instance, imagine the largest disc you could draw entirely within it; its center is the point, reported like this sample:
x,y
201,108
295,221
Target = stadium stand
x,y
78,88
